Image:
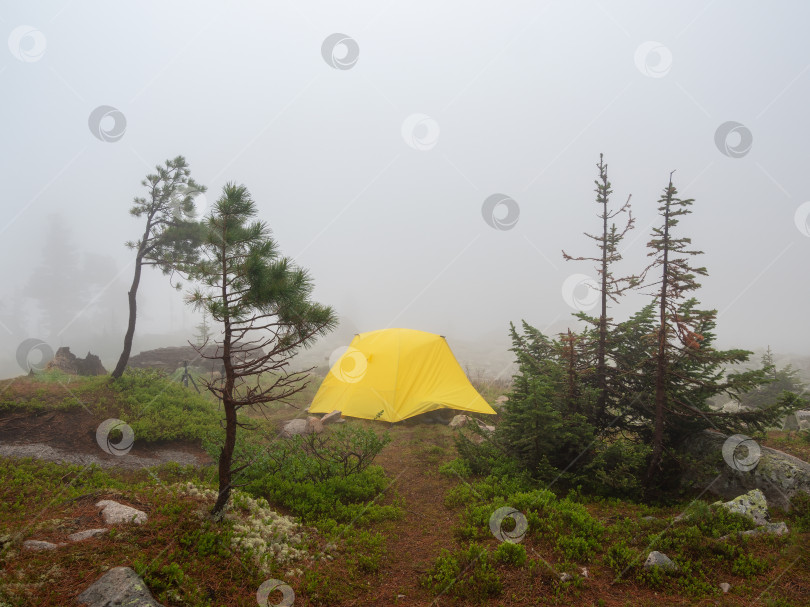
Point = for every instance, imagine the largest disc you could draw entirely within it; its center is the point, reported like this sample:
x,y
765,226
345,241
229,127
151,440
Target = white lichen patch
x,y
259,531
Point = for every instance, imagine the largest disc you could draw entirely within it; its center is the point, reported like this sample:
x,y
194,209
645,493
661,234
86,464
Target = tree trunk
x,y
661,356
226,458
601,366
226,455
133,292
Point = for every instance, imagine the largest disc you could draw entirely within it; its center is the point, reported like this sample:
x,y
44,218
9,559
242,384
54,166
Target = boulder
x,y
659,560
119,586
114,513
83,535
752,504
331,418
778,475
798,420
67,362
725,587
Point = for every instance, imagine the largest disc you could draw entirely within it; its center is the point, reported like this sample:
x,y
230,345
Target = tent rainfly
x,y
394,374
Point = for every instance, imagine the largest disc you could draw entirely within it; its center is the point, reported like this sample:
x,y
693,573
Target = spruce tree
x,y
610,286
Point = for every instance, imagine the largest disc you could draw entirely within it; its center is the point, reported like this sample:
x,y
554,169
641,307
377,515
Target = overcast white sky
x,y
374,176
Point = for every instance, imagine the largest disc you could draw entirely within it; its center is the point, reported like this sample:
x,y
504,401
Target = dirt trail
x,y
416,539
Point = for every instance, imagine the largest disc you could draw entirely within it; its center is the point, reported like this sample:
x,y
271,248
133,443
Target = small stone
x,y
38,545
725,587
314,425
400,596
659,560
459,421
83,535
331,418
566,577
113,513
584,572
649,517
293,427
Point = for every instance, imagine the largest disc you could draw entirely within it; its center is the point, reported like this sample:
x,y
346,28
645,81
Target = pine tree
x,y
263,302
170,236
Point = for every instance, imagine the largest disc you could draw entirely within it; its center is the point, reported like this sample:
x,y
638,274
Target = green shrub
x,y
466,573
508,553
317,477
747,565
620,557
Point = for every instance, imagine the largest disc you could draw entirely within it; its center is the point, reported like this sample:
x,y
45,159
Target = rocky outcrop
x,y
67,362
119,586
798,420
778,475
172,358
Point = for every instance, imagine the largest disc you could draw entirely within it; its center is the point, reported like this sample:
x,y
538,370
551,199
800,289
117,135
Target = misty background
x,y
373,173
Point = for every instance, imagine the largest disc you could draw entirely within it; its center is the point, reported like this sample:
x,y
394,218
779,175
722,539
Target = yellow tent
x,y
398,373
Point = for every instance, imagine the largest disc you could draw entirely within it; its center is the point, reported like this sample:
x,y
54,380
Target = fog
x,y
372,159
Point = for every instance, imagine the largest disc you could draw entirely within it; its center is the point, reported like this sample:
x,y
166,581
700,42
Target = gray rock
x,y
725,587
752,504
83,535
566,577
331,418
798,420
39,545
459,421
294,427
118,587
769,528
113,513
778,475
656,560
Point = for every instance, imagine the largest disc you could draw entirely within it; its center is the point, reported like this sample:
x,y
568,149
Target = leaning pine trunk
x,y
132,295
